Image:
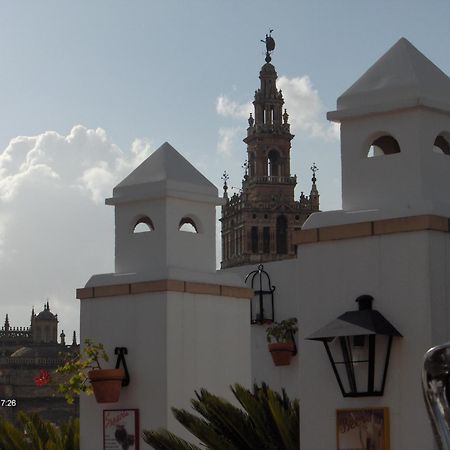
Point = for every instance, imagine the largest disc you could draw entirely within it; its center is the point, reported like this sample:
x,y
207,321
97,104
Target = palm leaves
x,y
265,421
34,433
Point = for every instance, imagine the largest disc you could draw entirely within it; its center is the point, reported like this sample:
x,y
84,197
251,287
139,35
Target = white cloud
x,y
84,159
227,140
303,103
305,108
54,230
229,108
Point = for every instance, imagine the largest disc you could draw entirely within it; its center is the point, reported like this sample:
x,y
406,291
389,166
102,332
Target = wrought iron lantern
x,y
358,345
261,306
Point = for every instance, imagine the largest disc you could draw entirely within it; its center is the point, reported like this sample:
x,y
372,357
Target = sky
x,y
90,88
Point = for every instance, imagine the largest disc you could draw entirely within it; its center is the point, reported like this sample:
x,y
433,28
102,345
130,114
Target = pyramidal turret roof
x,y
164,172
403,77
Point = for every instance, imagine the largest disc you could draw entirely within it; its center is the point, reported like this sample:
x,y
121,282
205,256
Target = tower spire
x,y
6,326
225,177
258,224
314,194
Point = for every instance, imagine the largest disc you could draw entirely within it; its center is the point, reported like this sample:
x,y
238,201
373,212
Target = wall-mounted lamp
x,y
358,345
261,306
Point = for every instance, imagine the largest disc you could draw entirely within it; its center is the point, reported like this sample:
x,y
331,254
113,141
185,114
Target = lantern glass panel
x,y
360,360
382,343
351,357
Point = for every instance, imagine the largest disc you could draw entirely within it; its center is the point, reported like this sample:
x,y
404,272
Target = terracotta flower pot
x,y
106,384
282,353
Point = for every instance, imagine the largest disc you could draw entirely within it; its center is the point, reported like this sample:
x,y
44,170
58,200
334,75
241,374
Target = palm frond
x,y
165,440
266,421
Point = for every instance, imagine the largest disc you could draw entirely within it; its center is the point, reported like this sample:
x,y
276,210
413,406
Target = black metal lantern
x,y
358,345
261,306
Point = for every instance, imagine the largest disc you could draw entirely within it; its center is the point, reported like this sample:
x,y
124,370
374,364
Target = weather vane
x,y
225,177
314,169
270,45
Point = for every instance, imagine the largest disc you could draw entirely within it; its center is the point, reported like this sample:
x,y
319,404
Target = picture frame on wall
x,y
121,429
363,429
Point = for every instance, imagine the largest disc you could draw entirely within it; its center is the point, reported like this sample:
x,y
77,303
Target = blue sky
x,y
133,74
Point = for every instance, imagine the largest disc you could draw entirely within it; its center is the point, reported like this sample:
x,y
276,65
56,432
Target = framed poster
x,y
362,429
121,429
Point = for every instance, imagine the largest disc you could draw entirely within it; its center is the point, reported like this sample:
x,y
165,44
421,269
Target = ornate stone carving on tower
x,y
258,223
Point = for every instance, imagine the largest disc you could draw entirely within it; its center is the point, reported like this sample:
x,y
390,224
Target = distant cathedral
x,y
24,351
258,223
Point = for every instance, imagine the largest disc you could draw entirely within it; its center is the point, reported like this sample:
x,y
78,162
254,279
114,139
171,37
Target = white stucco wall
x,y
407,276
177,343
153,252
138,323
287,295
208,346
414,181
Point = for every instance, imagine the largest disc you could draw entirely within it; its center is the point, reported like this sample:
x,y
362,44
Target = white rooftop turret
x,y
403,77
165,218
164,173
395,138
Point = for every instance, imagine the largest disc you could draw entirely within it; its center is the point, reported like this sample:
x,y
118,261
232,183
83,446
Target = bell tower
x,y
258,223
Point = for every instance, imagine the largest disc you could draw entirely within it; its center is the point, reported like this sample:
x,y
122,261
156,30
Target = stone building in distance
x,y
258,223
24,351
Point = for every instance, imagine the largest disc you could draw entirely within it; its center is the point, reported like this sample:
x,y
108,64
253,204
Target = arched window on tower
x,y
442,144
188,225
268,115
266,240
384,145
143,225
281,235
254,239
273,163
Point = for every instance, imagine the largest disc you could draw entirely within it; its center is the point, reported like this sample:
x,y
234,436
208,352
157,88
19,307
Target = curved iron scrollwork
x,y
121,352
263,311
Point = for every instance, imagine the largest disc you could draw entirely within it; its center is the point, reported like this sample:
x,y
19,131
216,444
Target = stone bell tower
x,y
185,326
258,223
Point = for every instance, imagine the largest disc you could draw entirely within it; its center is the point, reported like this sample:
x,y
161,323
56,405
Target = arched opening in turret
x,y
273,161
282,232
187,225
384,145
268,115
143,225
442,144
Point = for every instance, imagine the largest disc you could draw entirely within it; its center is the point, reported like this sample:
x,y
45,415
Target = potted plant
x,y
280,337
85,374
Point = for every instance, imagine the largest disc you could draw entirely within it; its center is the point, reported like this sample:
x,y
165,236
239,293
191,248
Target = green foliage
x,y
76,370
283,331
34,433
265,421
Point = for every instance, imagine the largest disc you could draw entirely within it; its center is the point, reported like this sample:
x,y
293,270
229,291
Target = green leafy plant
x,y
283,331
76,369
35,433
266,420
